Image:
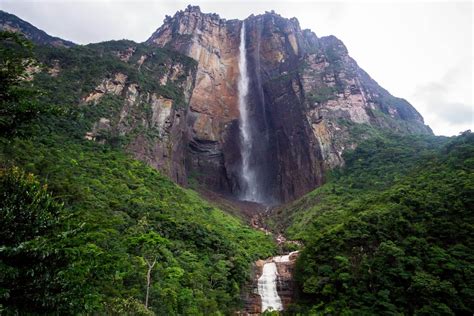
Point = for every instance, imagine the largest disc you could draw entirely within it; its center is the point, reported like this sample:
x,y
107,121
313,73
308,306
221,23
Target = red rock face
x,y
305,95
213,109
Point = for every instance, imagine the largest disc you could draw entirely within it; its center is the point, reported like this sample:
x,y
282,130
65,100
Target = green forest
x,y
391,233
88,229
84,223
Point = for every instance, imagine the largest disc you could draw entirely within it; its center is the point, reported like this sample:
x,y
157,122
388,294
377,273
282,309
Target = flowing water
x,y
249,190
284,258
267,288
267,283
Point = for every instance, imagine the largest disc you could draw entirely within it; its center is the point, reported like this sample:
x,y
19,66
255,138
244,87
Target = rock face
x,y
307,96
286,284
149,122
213,112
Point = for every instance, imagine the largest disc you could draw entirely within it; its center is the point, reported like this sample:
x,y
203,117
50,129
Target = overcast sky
x,y
421,51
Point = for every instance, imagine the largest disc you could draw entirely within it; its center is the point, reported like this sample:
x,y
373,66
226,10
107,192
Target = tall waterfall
x,y
249,187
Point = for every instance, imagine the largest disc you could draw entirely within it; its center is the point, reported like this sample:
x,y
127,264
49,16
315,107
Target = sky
x,y
418,50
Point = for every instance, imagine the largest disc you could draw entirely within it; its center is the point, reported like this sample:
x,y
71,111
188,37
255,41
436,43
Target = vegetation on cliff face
x,y
120,93
80,220
392,232
82,68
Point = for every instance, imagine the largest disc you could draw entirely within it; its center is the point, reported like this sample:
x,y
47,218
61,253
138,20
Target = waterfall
x,y
267,288
249,187
267,282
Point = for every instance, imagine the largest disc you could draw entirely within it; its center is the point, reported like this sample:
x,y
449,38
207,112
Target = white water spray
x,y
267,288
267,283
248,176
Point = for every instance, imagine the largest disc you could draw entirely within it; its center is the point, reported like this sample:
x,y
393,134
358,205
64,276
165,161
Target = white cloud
x,y
447,102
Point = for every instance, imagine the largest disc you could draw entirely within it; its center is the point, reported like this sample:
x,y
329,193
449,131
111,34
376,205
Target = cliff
x,y
307,97
213,111
123,94
308,100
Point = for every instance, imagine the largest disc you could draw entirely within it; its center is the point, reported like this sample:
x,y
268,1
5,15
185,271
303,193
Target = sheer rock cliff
x,y
306,97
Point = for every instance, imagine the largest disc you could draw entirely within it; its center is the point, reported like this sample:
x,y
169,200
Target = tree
x,y
27,210
18,98
150,246
30,219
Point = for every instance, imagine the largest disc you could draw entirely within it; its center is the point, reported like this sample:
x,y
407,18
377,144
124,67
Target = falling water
x,y
267,282
249,190
267,288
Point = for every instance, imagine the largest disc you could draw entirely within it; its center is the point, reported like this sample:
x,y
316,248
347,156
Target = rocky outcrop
x,y
340,95
113,85
213,112
286,285
306,96
147,121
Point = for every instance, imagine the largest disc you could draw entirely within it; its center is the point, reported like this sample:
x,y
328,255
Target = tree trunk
x,y
148,280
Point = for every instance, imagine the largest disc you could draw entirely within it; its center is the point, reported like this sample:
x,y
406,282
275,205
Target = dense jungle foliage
x,y
83,223
392,232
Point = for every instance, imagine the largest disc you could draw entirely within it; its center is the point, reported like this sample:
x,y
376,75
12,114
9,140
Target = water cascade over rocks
x,y
276,271
267,288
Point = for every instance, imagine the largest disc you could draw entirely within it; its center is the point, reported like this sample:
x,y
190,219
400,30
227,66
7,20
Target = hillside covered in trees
x,y
87,228
390,233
